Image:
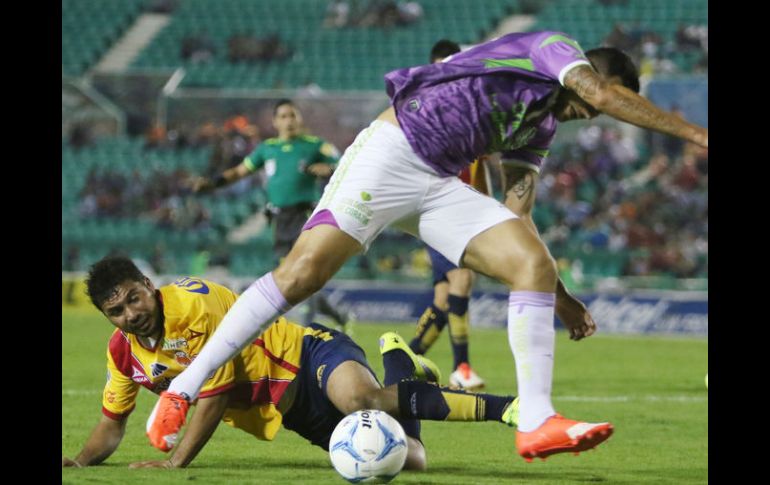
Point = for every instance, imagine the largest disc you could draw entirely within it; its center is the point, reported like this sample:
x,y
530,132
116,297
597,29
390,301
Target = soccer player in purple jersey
x,y
452,286
506,95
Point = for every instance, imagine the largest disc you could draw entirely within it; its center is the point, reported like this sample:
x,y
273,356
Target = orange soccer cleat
x,y
561,435
167,418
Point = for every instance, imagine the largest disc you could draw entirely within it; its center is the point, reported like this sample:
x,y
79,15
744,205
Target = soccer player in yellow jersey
x,y
306,378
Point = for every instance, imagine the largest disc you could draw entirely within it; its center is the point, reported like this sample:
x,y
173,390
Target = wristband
x,y
219,181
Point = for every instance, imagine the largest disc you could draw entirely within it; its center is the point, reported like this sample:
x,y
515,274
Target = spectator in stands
x,y
249,48
162,6
689,37
389,13
337,14
80,136
197,48
619,38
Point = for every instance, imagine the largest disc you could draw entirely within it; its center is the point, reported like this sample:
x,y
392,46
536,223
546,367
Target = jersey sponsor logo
x,y
158,369
174,343
319,374
193,285
139,376
357,210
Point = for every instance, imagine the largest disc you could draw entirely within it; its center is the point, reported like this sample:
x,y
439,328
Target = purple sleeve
x,y
555,53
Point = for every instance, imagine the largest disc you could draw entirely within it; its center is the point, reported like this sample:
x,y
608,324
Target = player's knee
x,y
368,400
544,265
536,269
416,460
460,281
300,276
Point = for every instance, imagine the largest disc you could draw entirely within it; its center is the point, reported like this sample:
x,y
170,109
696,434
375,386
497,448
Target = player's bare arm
x,y
205,184
208,414
519,185
104,440
620,102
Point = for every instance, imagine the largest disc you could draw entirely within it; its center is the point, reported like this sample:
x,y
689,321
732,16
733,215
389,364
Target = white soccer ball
x,y
368,446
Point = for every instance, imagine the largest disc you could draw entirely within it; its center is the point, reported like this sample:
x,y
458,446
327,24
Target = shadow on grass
x,y
469,474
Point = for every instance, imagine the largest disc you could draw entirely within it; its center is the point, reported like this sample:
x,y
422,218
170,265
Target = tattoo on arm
x,y
520,189
584,81
623,104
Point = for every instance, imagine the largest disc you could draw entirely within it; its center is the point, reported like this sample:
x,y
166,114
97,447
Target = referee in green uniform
x,y
293,162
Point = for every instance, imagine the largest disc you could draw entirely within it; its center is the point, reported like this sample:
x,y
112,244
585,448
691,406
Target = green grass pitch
x,y
650,388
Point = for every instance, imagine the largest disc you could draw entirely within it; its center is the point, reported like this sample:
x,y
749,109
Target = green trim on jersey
x,y
540,152
525,63
560,38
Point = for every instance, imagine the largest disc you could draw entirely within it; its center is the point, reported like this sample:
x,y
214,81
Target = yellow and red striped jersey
x,y
192,309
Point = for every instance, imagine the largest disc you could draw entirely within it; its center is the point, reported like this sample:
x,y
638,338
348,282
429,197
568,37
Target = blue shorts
x,y
441,266
312,415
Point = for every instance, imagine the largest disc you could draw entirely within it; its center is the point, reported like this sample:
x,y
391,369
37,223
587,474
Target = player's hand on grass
x,y
152,464
68,462
576,318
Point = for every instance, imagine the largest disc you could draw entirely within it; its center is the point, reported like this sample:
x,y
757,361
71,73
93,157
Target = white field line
x,y
640,398
643,397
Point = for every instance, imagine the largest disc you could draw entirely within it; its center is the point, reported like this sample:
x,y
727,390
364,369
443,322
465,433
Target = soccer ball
x,y
368,446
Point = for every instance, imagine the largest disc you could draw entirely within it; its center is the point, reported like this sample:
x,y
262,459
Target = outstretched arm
x,y
205,184
208,414
625,105
104,440
519,184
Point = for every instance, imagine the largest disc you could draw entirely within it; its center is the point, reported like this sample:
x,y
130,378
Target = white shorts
x,y
380,181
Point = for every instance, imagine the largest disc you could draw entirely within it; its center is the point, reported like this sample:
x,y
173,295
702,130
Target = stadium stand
x,y
90,27
597,225
345,58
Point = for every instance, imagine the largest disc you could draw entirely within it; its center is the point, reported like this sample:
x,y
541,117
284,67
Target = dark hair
x,y
443,48
280,103
106,274
609,62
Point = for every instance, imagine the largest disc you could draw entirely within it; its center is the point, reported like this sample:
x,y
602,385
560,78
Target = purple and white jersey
x,y
490,98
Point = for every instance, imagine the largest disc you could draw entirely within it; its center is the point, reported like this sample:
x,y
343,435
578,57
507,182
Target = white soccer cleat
x,y
465,378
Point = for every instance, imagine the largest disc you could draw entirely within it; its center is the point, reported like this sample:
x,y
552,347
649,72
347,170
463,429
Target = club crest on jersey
x,y
174,343
182,358
319,374
193,285
193,334
139,376
158,369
